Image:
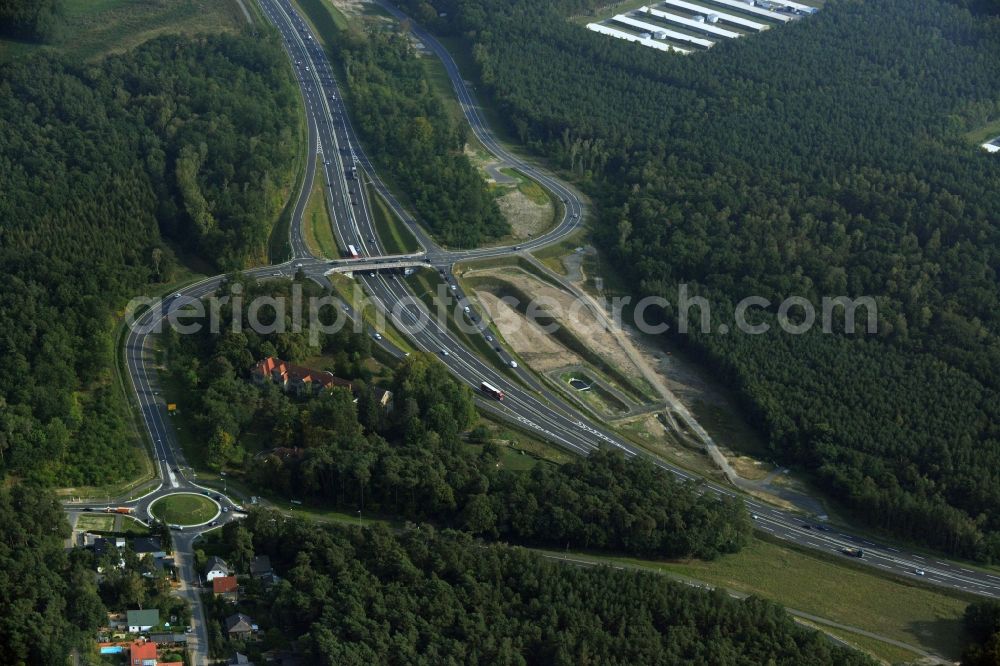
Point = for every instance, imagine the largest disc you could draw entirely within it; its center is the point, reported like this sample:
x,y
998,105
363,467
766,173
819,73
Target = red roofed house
x,y
225,585
142,653
295,378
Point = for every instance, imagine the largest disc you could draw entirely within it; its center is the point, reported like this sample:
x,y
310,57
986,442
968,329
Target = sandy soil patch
x,y
525,216
350,7
538,349
564,308
747,467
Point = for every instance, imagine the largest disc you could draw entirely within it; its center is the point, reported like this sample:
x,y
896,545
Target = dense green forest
x,y
982,624
31,19
824,158
104,169
412,137
48,596
353,596
412,460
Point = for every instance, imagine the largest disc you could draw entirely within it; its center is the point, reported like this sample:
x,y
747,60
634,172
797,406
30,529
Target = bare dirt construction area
x,y
713,406
538,349
527,218
564,308
712,414
522,202
351,8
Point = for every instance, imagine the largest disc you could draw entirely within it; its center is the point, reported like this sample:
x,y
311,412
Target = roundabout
x,y
185,509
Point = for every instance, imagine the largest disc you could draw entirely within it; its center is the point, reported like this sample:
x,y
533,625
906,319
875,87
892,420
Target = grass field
x,y
184,509
441,84
396,238
887,652
919,616
985,133
318,230
504,433
324,17
519,451
94,28
528,187
132,526
98,522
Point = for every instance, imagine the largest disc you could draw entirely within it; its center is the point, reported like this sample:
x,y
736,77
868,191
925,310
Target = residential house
x,y
162,566
117,622
148,547
215,568
139,621
226,586
240,625
142,653
295,378
240,660
261,566
101,546
267,580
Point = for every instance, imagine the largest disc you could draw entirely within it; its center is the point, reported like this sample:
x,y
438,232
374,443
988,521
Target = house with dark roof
x,y
240,625
101,546
261,566
142,620
216,567
162,566
267,580
148,547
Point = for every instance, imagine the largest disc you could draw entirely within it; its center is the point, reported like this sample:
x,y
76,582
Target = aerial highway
x,y
335,149
539,410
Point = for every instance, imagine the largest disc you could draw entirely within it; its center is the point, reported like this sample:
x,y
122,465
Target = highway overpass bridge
x,y
374,264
